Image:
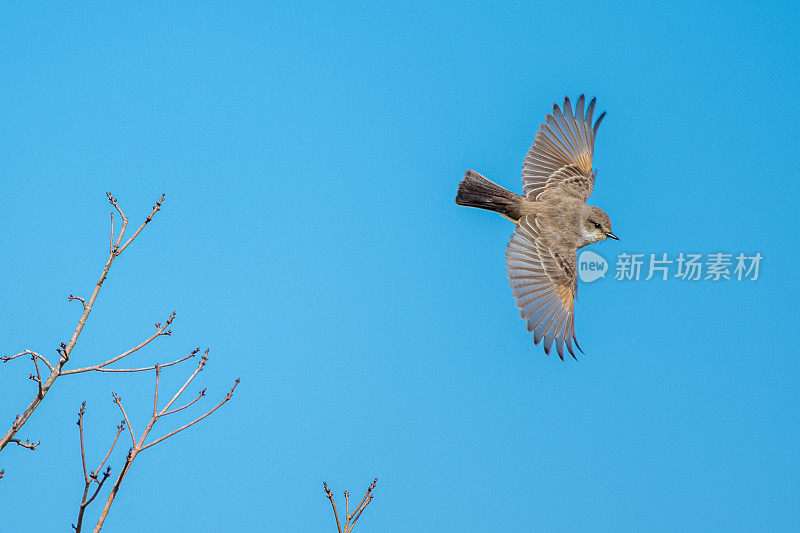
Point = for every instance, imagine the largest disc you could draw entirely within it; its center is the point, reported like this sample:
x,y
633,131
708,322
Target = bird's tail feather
x,y
477,191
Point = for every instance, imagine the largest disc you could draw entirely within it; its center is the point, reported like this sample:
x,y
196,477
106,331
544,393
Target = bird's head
x,y
596,225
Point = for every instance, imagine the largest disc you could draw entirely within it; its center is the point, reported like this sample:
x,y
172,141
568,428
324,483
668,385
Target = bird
x,y
552,220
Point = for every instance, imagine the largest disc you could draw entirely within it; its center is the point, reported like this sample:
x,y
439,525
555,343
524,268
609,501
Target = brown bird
x,y
552,221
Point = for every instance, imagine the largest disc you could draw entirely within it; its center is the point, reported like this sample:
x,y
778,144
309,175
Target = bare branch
x,y
65,349
27,444
63,354
7,358
363,505
113,201
83,451
100,367
155,393
156,209
139,446
42,358
200,365
78,298
329,494
196,420
350,518
37,378
92,477
120,429
99,485
145,368
358,515
118,401
202,393
118,242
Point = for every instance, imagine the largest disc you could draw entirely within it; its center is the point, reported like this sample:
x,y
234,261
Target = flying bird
x,y
552,221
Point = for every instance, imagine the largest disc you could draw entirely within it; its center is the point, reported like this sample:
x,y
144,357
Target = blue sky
x,y
310,155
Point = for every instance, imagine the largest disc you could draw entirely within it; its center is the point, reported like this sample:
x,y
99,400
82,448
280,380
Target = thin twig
x,y
99,485
329,495
78,298
363,505
92,477
145,368
197,370
155,393
37,378
113,201
120,429
7,358
39,356
118,401
80,429
100,367
196,420
27,444
156,209
202,393
350,518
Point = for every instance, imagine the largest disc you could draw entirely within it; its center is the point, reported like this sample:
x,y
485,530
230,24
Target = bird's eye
x,y
596,225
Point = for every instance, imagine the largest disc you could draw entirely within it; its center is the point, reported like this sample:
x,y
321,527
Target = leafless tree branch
x,y
145,368
100,367
202,393
196,420
120,429
94,480
350,518
329,495
42,358
7,358
139,445
118,401
65,349
78,298
92,477
80,429
197,370
155,210
37,377
106,474
27,444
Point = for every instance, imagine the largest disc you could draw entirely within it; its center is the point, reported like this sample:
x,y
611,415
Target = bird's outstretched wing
x,y
561,154
545,284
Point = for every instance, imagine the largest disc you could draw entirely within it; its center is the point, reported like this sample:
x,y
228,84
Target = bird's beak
x,y
612,236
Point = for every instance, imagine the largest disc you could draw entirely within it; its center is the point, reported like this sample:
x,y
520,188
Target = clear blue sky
x,y
310,156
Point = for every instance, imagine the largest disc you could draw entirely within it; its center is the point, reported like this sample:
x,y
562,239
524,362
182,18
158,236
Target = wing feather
x,y
562,152
543,280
